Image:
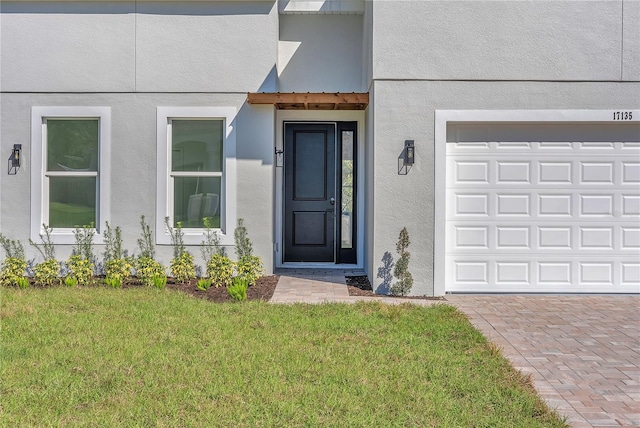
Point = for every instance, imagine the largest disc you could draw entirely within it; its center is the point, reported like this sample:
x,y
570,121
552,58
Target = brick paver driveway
x,y
583,351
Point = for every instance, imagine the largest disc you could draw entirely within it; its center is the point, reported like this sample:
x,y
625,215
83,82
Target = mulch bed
x,y
262,290
360,286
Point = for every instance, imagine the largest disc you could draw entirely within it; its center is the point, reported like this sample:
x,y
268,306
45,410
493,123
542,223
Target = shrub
x,y
203,284
13,267
118,268
182,267
248,266
147,269
48,272
211,244
116,263
401,270
81,269
220,270
238,289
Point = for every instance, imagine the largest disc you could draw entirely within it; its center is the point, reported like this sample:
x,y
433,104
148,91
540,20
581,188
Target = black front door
x,y
310,192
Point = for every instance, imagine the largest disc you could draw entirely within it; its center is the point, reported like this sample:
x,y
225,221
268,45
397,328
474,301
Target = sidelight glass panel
x,y
196,145
197,199
346,215
72,202
72,145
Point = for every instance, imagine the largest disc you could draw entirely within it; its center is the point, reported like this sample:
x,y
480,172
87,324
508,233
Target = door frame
x,y
331,116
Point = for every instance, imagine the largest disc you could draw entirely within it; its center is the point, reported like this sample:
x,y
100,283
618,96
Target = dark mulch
x,y
360,286
262,290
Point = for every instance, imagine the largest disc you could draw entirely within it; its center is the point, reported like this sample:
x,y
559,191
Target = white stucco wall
x,y
133,168
67,47
127,46
505,40
405,110
320,53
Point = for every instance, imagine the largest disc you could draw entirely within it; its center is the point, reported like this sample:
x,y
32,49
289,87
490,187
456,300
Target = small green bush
x,y
118,268
182,268
203,284
250,268
47,273
401,270
14,266
147,269
220,270
116,263
81,269
113,281
70,281
23,282
160,281
238,289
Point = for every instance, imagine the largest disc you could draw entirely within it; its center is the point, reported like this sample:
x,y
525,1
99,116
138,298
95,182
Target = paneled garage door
x,y
543,208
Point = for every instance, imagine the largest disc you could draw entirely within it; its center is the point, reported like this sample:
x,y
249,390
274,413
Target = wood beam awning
x,y
311,100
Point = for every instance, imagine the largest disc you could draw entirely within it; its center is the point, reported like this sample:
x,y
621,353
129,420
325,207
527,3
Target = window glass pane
x,y
196,198
347,190
72,145
196,145
72,201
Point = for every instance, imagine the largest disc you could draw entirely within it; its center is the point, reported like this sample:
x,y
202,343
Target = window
x,y
196,172
69,170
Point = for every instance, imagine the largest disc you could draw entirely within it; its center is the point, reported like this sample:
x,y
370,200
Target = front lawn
x,y
143,357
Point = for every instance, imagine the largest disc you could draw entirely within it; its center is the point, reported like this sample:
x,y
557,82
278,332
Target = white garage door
x,y
543,208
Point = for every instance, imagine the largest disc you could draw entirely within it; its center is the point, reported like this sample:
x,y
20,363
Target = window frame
x,y
40,175
228,193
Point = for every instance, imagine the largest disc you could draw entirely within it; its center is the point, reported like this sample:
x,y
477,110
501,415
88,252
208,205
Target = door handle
x,y
332,200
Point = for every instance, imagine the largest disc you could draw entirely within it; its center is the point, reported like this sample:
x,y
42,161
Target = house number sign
x,y
622,115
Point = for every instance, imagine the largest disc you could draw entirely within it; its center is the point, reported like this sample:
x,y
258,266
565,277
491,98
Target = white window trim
x,y
229,194
39,188
444,117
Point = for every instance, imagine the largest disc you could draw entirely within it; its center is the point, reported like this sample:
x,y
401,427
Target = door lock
x,y
332,200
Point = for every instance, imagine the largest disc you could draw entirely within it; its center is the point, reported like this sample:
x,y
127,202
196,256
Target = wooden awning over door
x,y
311,100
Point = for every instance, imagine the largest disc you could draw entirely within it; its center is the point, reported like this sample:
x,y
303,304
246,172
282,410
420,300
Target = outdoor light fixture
x,y
15,155
15,159
409,152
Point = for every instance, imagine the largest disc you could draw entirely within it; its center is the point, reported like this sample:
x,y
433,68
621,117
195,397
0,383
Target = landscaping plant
x,y
47,272
219,265
117,266
401,270
203,284
80,263
238,289
14,265
248,266
147,268
182,267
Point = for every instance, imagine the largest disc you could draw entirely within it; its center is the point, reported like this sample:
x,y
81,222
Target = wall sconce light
x,y
15,159
409,153
279,157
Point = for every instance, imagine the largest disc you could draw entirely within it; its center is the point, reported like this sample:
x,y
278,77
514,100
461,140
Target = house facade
x,y
505,136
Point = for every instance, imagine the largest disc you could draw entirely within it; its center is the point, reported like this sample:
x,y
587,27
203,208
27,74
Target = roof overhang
x,y
311,100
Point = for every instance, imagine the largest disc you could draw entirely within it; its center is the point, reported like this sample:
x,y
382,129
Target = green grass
x,y
143,357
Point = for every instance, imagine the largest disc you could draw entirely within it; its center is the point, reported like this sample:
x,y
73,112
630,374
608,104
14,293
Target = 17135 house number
x,y
622,115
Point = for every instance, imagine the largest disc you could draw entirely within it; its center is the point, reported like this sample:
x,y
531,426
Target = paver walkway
x,y
324,285
583,351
